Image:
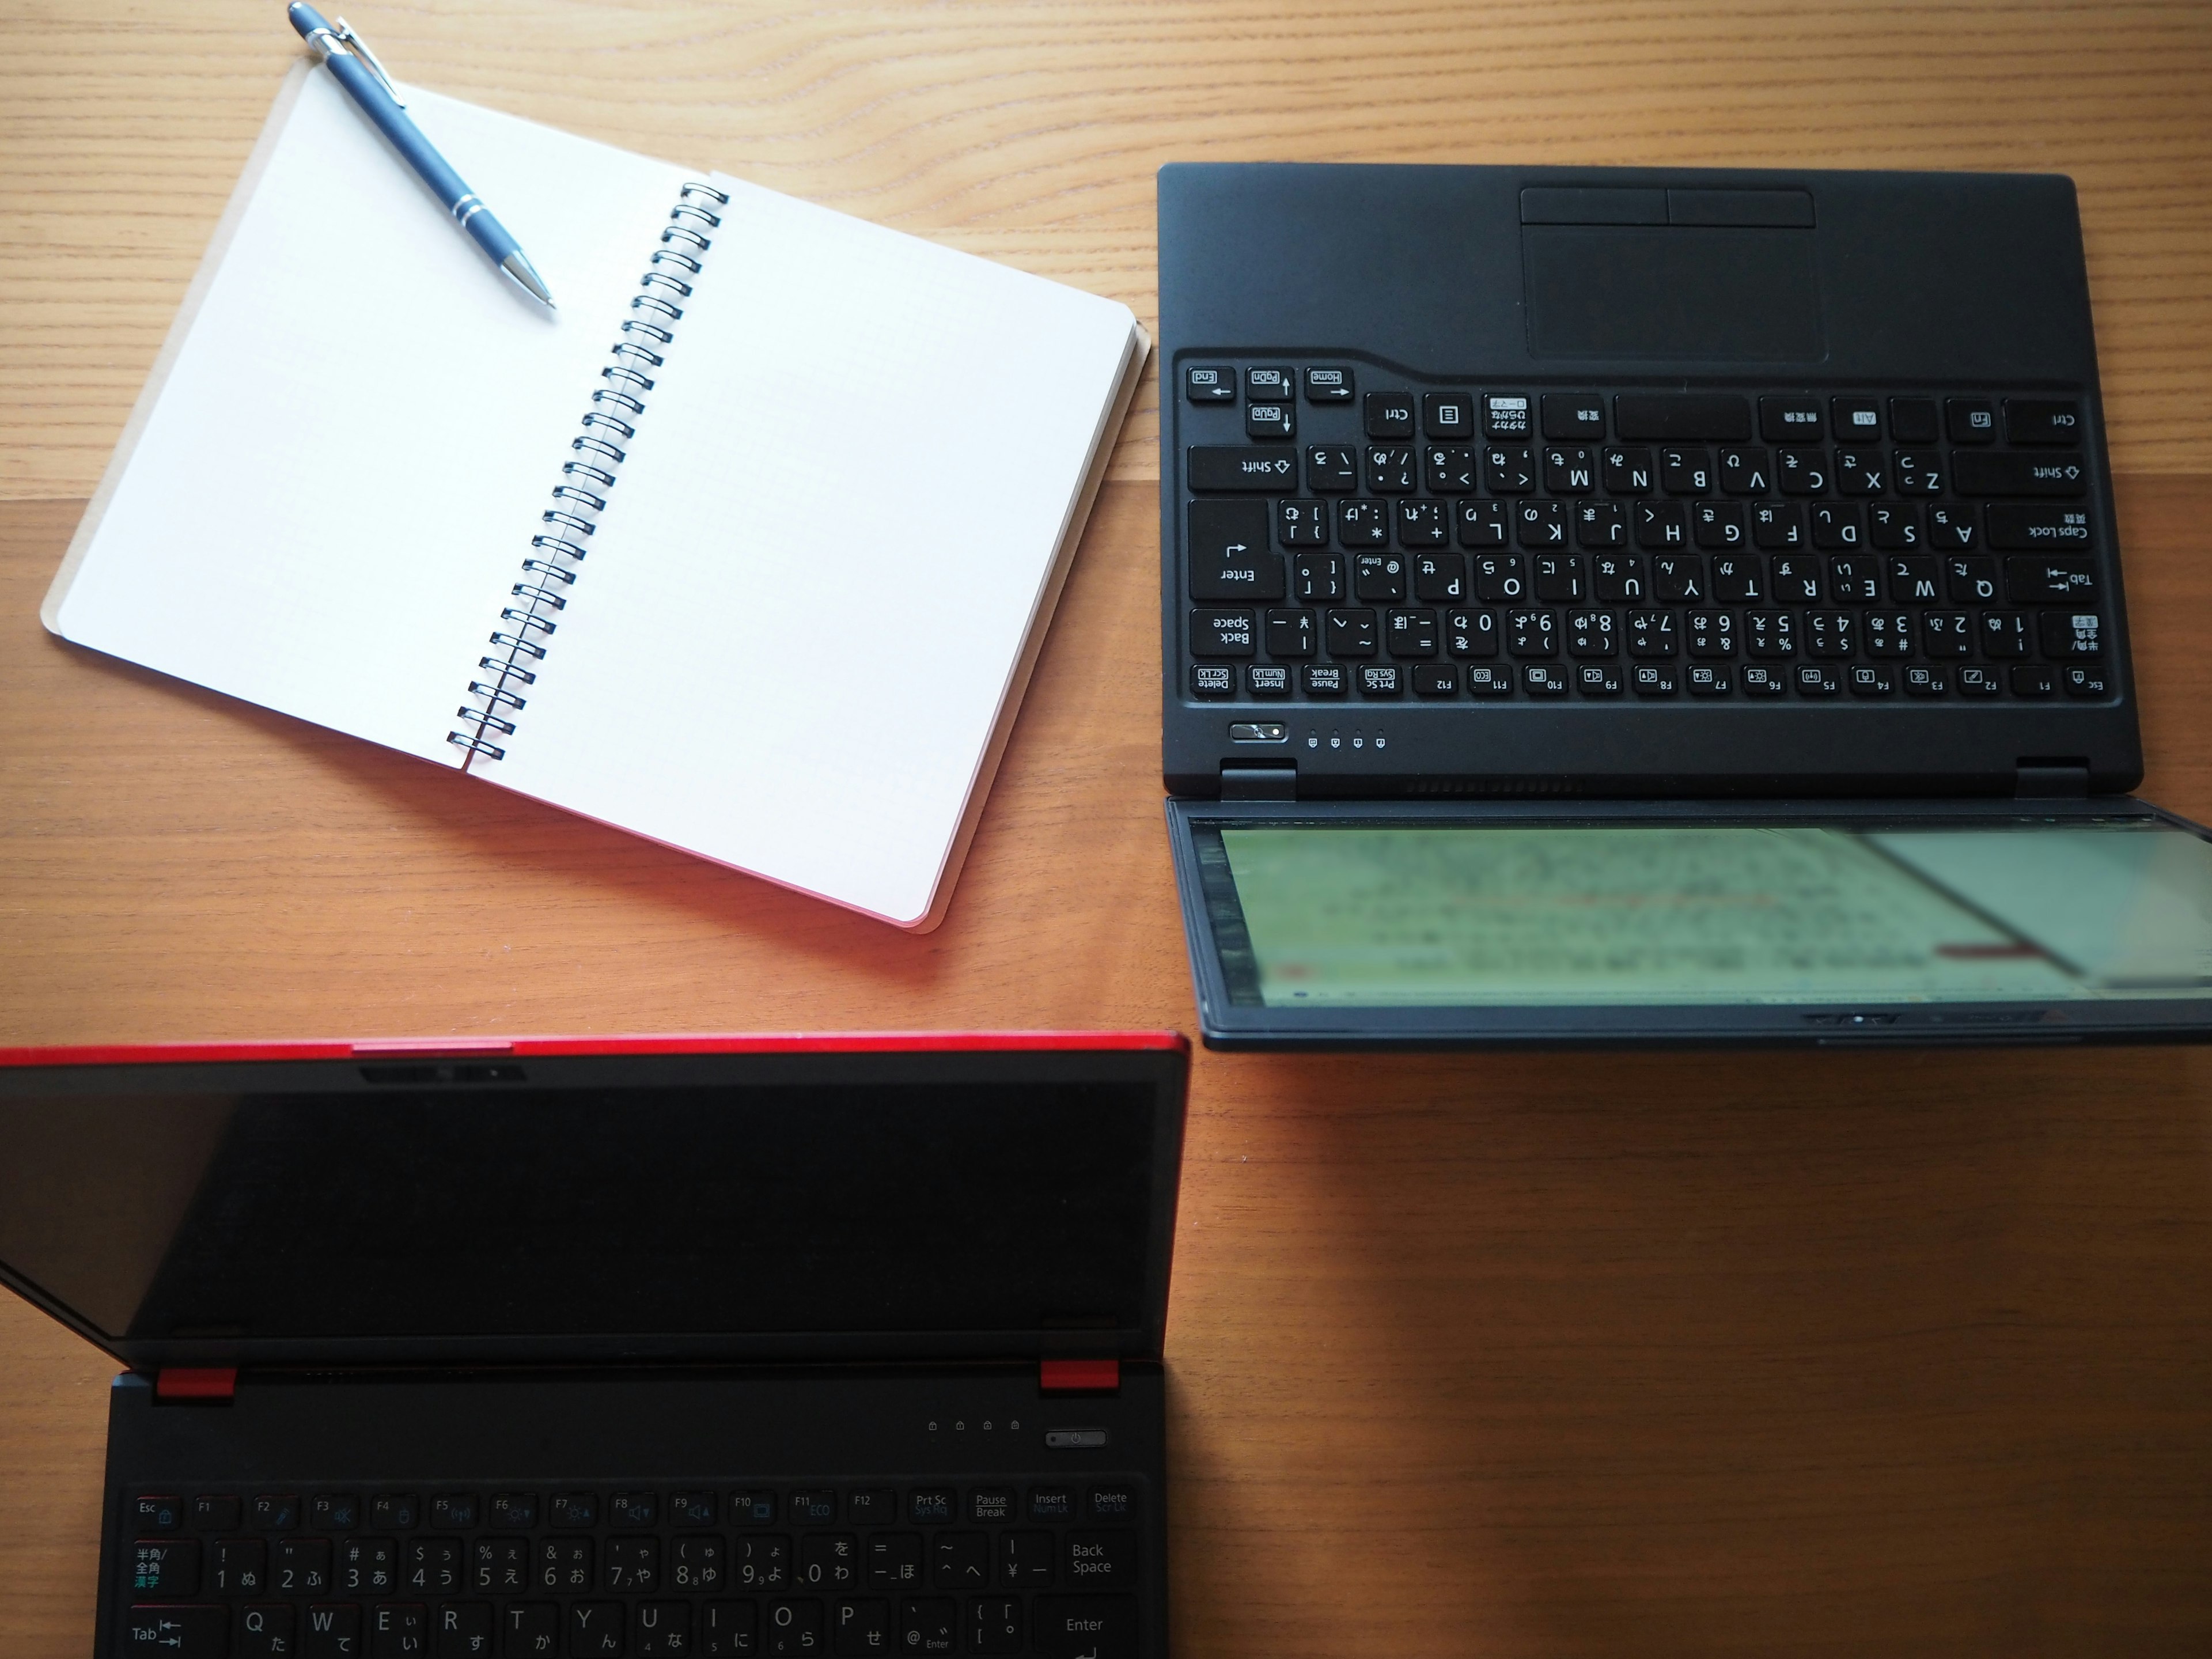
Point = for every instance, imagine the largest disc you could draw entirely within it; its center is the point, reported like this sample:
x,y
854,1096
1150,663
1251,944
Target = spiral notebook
x,y
748,549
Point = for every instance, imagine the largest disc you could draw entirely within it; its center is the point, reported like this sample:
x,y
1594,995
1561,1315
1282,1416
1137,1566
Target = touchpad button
x,y
1673,291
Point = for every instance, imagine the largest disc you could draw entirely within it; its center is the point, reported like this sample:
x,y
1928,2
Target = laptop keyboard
x,y
1346,537
1042,1568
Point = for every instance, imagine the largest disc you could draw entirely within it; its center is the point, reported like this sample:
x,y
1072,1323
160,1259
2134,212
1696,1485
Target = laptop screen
x,y
1505,915
543,1203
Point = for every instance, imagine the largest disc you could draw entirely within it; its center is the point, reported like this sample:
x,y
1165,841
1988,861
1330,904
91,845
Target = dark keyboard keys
x,y
696,1564
1505,417
1801,471
894,1560
1912,420
1220,632
2070,634
761,1563
564,1566
1855,420
1289,633
162,1513
2003,472
1106,1559
514,1511
1209,383
1345,633
1316,578
500,1566
1378,577
177,1633
2017,528
1500,578
573,1510
1970,420
1362,524
930,1625
829,1561
1951,529
161,1568
302,1567
1297,524
273,1512
2049,580
208,1514
1682,416
1745,472
453,1512
1478,523
594,1628
1447,415
1509,469
729,1629
1269,386
1573,415
1970,579
632,1566
1789,420
1570,471
1389,415
1449,469
752,1507
367,1566
394,1511
1627,471
994,1626
2043,421
861,1627
1686,472
1328,385
1270,421
1332,469
239,1567
1083,1626
1271,470
267,1631
2033,679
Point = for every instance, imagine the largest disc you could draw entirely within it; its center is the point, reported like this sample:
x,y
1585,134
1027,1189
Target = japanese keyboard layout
x,y
1041,1568
1380,542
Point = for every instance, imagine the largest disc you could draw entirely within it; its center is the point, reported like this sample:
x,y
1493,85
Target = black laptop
x,y
1655,606
775,1348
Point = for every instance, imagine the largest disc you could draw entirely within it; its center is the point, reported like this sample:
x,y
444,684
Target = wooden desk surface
x,y
1531,1355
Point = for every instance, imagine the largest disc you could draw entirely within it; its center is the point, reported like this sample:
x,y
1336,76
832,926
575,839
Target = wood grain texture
x,y
1030,133
1528,1355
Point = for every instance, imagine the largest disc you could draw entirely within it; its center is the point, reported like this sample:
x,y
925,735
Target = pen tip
x,y
532,284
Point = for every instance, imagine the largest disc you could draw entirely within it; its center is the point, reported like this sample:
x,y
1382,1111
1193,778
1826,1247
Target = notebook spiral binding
x,y
596,454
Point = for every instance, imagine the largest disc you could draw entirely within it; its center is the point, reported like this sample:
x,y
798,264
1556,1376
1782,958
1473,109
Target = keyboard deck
x,y
1348,536
1041,1567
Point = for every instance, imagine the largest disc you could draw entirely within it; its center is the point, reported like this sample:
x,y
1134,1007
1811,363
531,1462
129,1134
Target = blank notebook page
x,y
811,587
331,481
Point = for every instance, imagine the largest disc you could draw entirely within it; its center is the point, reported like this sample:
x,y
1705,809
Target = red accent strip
x,y
196,1382
845,1042
1061,1375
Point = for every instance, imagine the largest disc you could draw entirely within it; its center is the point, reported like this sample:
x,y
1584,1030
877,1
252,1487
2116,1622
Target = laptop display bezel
x,y
1156,1061
1211,930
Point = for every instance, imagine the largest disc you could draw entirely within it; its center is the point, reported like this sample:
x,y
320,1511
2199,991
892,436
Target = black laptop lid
x,y
789,1206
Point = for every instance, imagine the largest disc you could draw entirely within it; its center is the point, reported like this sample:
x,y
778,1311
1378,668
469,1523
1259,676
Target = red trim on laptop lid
x,y
1072,1376
196,1382
781,1042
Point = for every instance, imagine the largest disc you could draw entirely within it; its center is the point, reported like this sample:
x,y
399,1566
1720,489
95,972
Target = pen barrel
x,y
395,124
488,234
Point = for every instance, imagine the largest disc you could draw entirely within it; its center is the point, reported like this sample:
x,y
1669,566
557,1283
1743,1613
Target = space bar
x,y
1682,416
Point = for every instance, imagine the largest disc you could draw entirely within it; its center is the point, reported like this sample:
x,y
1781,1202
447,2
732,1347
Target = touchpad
x,y
1672,291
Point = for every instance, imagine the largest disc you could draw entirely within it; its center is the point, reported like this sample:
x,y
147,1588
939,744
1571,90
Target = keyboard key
x,y
1778,525
1471,633
1083,1626
1447,415
1592,634
1789,420
1421,524
1771,634
1818,680
499,1566
860,1628
930,1626
829,1561
1923,681
663,1630
1268,469
1384,679
1836,524
453,1512
1946,633
1855,420
1917,472
1290,634
1829,633
1759,681
1677,578
1484,681
1854,579
1891,525
164,1568
1435,679
1479,523
2079,681
2069,634
334,1633
1971,578
1570,471
1711,635
1912,420
994,1626
1744,471
1268,385
761,1562
273,1512
177,1633
728,1629
1229,560
1686,472
1217,632
1600,524
1573,415
1859,473
1651,634
1440,577
239,1567
1379,578
871,1506
1389,415
1717,524
1801,471
512,1511
1316,578
1627,471
2061,580
1887,633
1682,416
1266,680
1951,529
1543,680
2043,421
1975,681
595,1627
207,1515
1708,680
1661,525
753,1507
564,1566
2033,679
1209,383
1328,385
894,1558
1969,420
162,1513
1362,524
1410,632
302,1567
2003,472
2023,527
1332,469
1532,632
1651,679
1541,524
1877,679
267,1631
1505,417
1912,580
1509,469
573,1509
1265,421
1618,578
1738,579
1449,469
2004,633
633,1566
394,1511
962,1560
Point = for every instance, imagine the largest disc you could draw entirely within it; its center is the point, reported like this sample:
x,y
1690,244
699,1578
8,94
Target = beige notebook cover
x,y
748,549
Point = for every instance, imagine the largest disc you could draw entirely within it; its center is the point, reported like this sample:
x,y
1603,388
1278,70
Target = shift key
x,y
1269,468
2002,472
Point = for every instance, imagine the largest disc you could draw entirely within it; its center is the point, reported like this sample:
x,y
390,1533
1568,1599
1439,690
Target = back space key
x,y
1271,468
1682,416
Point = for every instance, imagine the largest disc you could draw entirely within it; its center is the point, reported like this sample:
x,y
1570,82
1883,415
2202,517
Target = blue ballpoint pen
x,y
347,56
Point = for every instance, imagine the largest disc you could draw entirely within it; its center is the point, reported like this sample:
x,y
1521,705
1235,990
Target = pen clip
x,y
345,36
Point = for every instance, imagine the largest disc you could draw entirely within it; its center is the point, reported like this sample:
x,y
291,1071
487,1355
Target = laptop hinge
x,y
200,1382
1259,783
1079,1376
2050,780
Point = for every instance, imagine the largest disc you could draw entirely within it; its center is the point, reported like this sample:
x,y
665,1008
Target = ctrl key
x,y
1083,1626
178,1632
